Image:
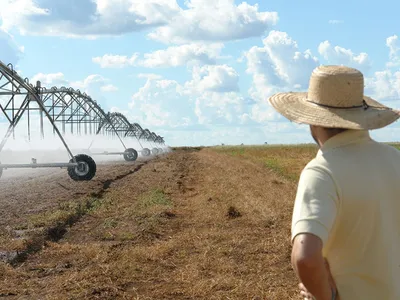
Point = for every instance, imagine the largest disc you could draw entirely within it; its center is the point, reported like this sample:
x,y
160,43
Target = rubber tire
x,y
92,168
154,151
146,152
130,154
160,150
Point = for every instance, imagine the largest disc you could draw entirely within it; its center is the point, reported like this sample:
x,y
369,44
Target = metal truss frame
x,y
67,110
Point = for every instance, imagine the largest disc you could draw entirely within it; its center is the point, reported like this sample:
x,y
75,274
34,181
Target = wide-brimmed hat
x,y
335,98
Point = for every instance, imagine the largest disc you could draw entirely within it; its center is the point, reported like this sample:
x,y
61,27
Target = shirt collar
x,y
345,138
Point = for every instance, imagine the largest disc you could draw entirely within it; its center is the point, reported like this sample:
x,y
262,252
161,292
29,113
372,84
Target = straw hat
x,y
335,98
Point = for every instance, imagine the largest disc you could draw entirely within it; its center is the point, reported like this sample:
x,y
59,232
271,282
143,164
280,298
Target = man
x,y
345,223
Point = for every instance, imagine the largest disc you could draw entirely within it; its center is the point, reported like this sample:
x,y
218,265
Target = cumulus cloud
x,y
200,20
211,97
278,65
384,84
10,52
50,80
218,100
392,42
161,102
115,61
222,109
182,55
85,17
210,20
94,85
109,88
263,113
214,78
175,56
342,56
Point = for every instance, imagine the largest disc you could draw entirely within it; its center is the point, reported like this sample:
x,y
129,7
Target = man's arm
x,y
313,218
309,266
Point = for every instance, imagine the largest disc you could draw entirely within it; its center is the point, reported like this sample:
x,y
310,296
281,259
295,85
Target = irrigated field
x,y
194,224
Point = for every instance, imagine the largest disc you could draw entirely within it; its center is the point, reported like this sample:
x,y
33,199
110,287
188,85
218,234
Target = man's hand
x,y
307,295
304,293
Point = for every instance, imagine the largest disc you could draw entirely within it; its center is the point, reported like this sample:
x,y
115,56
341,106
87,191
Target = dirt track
x,y
225,234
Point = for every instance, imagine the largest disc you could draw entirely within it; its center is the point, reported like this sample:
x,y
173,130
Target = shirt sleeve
x,y
316,203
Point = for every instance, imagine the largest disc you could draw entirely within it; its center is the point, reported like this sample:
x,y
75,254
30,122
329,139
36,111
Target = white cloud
x,y
200,20
85,17
222,109
211,97
50,80
342,56
336,21
109,88
115,61
263,113
278,65
181,55
210,20
94,85
217,98
94,79
10,52
189,54
392,42
214,78
384,85
117,109
160,102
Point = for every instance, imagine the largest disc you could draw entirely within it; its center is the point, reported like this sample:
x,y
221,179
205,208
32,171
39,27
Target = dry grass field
x,y
210,223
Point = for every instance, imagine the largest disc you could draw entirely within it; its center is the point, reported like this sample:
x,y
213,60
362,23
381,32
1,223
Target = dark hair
x,y
333,130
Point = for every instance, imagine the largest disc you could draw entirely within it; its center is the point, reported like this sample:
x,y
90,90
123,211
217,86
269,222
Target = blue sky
x,y
199,72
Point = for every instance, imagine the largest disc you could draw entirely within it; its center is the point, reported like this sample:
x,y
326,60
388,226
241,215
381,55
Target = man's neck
x,y
327,134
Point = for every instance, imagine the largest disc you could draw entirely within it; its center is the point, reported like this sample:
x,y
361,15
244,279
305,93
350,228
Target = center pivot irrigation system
x,y
71,111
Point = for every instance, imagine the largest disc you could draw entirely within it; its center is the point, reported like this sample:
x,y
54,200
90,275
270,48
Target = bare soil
x,y
25,192
187,225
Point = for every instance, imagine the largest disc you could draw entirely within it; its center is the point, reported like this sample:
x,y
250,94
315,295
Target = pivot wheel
x,y
146,152
85,170
130,154
154,151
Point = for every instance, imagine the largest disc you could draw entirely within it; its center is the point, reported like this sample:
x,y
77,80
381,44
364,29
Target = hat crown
x,y
336,86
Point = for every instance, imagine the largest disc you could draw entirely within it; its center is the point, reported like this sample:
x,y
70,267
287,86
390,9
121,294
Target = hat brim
x,y
295,107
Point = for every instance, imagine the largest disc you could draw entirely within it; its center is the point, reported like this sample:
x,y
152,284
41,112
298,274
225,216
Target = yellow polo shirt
x,y
349,196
